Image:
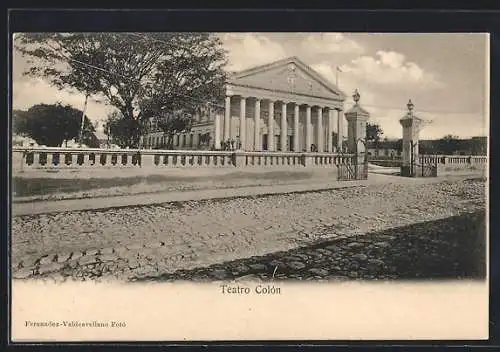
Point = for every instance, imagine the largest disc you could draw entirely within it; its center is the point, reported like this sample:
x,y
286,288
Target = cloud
x,y
250,49
389,67
347,83
381,112
327,43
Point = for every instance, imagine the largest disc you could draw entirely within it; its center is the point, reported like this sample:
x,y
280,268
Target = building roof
x,y
238,77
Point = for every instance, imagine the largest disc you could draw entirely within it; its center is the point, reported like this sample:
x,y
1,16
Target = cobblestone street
x,y
452,248
157,241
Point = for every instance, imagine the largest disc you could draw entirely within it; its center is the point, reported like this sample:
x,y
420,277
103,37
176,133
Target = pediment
x,y
289,75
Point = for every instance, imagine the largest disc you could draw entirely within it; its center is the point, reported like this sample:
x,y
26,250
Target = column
x,y
227,117
329,129
196,140
308,128
283,127
319,127
296,128
257,145
340,129
217,131
243,110
270,127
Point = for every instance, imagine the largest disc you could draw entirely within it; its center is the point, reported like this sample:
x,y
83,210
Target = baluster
x,y
92,159
103,159
124,160
42,159
68,159
80,159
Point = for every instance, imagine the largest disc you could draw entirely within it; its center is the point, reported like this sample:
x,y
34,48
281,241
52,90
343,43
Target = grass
x,y
41,186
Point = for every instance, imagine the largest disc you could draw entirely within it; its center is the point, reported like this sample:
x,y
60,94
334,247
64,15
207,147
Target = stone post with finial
x,y
411,128
357,118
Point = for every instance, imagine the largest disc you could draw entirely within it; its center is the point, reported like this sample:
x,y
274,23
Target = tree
x,y
122,131
373,134
449,144
398,145
142,75
19,122
90,140
51,125
479,145
427,147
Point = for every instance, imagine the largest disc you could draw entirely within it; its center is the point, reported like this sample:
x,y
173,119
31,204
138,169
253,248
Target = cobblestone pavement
x,y
151,241
443,249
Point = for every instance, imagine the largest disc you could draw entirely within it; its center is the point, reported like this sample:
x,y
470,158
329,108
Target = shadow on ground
x,y
452,248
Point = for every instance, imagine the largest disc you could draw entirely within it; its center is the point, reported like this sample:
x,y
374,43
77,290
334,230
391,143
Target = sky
x,y
445,76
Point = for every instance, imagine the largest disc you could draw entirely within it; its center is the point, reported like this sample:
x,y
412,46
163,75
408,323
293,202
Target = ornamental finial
x,y
356,96
410,106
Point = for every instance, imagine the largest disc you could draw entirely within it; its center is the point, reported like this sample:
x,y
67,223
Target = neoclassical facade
x,y
281,106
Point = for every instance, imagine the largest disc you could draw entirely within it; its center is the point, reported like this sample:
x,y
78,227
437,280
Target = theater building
x,y
281,106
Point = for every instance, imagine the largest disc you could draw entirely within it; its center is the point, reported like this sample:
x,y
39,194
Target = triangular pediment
x,y
288,75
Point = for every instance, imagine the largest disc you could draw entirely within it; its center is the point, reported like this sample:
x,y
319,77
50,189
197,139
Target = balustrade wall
x,y
454,161
60,158
24,159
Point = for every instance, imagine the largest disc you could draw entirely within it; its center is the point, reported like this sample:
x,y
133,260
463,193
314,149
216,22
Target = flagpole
x,y
337,70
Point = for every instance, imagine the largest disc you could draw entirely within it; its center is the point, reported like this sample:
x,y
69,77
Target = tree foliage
x,y
122,131
90,140
373,132
51,125
142,75
19,122
449,144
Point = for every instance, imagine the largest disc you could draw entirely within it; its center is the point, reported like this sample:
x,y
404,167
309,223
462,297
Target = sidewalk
x,y
96,203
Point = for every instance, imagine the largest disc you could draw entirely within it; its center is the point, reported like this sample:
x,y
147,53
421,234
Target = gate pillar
x,y
356,129
411,127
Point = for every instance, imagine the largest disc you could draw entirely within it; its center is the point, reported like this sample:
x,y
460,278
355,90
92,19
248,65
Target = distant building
x,y
22,141
200,136
384,148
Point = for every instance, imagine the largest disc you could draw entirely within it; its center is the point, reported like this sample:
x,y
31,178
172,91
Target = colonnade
x,y
271,112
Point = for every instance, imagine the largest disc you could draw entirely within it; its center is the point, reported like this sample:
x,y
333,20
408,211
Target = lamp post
x,y
83,120
108,127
